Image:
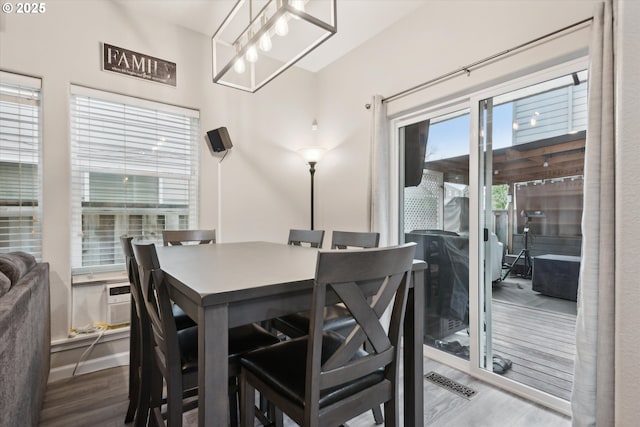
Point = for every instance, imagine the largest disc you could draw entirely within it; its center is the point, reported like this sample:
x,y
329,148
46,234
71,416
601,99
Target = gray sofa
x,y
25,338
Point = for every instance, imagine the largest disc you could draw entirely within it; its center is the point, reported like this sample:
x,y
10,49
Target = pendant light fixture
x,y
266,41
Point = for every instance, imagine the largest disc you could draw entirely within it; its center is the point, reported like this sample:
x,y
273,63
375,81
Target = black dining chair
x,y
324,378
180,237
312,238
336,317
140,339
175,352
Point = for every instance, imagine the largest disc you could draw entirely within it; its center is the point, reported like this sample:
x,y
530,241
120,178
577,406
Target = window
x,y
20,152
134,171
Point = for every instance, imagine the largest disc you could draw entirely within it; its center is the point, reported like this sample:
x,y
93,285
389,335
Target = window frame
x,y
23,91
115,138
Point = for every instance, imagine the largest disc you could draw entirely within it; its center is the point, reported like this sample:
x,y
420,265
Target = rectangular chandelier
x,y
260,39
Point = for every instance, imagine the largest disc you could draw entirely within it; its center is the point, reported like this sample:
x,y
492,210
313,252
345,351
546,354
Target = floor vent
x,y
451,385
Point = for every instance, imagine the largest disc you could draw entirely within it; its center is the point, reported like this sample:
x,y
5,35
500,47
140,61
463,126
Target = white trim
x,y
131,100
537,77
21,79
91,365
84,340
394,182
101,277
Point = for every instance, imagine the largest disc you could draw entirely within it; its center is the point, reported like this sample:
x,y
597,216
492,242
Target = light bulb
x,y
534,120
265,42
312,154
298,4
515,126
239,66
252,54
282,28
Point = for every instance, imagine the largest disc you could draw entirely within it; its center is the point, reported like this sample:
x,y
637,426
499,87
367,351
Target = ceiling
x,y
358,21
564,157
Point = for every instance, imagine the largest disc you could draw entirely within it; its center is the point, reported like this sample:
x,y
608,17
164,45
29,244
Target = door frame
x,y
472,101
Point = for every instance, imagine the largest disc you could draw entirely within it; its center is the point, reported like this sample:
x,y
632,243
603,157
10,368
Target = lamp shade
x,y
312,154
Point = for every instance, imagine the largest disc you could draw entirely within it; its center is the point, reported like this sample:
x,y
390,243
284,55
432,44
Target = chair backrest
x,y
353,239
312,237
178,237
134,278
155,293
354,276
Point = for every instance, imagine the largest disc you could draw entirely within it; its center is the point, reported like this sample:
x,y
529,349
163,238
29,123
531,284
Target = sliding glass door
x,y
491,190
531,152
435,193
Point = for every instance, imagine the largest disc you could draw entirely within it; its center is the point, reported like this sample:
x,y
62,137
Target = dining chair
x,y
138,380
324,378
175,352
140,339
313,238
179,237
336,317
354,239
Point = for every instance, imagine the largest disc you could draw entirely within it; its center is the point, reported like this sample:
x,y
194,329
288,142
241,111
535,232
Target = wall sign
x,y
135,64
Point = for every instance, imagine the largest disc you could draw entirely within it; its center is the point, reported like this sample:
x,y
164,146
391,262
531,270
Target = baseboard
x,y
90,365
84,340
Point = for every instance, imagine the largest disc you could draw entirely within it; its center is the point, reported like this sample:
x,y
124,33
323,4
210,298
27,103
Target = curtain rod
x,y
467,68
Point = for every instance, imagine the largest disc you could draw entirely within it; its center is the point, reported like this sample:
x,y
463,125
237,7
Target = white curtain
x,y
592,401
380,170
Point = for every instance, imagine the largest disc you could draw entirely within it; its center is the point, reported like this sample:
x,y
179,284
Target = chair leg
x,y
131,412
134,367
233,402
144,396
155,400
377,415
277,417
174,403
247,403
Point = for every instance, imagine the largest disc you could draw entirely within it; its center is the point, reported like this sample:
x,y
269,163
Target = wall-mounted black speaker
x,y
415,147
218,139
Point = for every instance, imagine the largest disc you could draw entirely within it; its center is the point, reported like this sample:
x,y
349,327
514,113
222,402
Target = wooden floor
x,y
519,291
541,345
537,333
99,399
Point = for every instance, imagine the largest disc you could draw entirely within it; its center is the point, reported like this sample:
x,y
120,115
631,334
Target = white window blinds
x,y
20,160
134,171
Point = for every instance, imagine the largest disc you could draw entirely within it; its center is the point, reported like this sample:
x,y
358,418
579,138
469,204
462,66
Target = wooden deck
x,y
540,343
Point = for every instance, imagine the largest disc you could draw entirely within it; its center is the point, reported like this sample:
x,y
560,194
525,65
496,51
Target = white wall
x,y
263,183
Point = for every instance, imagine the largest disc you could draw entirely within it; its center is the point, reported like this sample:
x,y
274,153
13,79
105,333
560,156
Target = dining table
x,y
224,285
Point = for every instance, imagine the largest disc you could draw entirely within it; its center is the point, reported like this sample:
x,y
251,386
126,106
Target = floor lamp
x,y
312,156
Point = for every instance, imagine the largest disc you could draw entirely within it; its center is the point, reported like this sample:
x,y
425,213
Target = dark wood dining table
x,y
231,284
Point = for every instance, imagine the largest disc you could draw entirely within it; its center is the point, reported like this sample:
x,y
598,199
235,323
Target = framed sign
x,y
139,65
